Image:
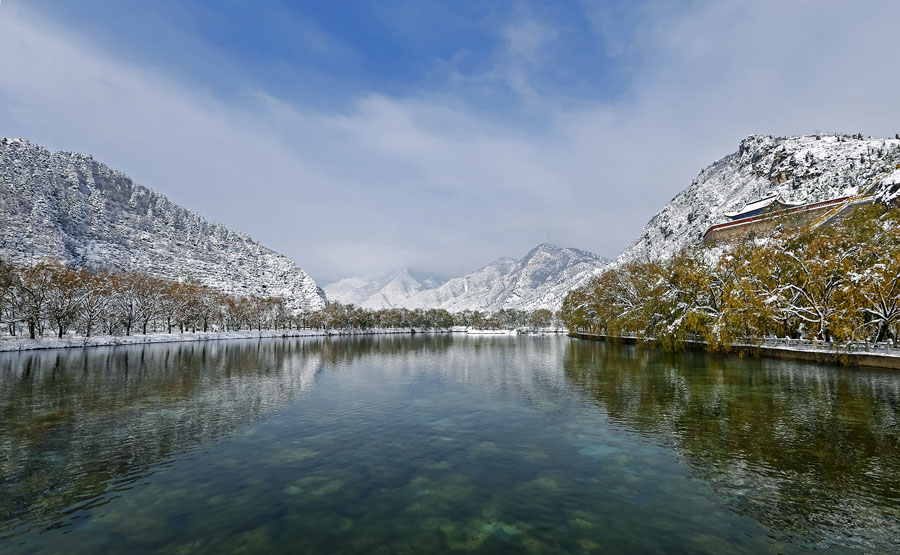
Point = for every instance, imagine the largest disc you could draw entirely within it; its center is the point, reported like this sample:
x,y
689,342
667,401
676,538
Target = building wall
x,y
766,225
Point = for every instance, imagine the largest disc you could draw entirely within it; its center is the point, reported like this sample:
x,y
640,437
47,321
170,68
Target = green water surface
x,y
442,444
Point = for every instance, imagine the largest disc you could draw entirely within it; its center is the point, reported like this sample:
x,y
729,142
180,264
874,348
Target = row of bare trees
x,y
837,283
50,297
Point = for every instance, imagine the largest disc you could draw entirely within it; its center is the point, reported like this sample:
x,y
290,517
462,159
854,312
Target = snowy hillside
x,y
70,207
540,279
802,169
392,288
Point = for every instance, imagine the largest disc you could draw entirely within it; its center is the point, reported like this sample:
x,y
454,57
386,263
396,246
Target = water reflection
x,y
812,452
441,443
79,424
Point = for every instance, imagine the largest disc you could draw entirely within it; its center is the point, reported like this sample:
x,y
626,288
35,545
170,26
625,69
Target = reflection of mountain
x,y
806,450
527,369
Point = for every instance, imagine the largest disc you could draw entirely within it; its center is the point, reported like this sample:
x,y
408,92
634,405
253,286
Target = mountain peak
x,y
546,247
540,279
94,216
800,169
385,290
553,250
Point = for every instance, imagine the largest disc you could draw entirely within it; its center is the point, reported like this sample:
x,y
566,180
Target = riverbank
x,y
12,344
785,351
16,344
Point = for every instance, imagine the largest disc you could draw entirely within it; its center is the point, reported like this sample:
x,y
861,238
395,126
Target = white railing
x,y
884,347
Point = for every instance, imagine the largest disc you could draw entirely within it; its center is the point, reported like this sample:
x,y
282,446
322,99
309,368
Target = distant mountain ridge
x,y
387,290
70,207
802,169
67,206
540,279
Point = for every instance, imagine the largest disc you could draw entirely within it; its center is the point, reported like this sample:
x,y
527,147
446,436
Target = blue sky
x,y
359,136
329,52
326,54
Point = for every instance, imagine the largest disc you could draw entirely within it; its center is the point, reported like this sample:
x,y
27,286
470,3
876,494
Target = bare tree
x,y
97,295
65,296
7,280
29,296
125,307
148,293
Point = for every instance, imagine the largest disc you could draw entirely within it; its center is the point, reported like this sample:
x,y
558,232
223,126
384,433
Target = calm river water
x,y
442,443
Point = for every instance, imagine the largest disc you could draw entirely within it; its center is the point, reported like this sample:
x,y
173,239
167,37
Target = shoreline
x,y
13,345
8,345
833,358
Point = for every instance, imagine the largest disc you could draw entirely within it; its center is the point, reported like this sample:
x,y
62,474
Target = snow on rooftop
x,y
754,205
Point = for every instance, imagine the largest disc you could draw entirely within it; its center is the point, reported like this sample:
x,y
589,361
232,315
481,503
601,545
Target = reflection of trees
x,y
347,349
806,450
75,423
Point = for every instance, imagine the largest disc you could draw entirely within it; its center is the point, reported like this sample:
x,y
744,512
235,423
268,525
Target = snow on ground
x,y
8,344
807,345
20,344
890,188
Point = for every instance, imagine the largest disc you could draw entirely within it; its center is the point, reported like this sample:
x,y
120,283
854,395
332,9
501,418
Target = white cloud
x,y
429,180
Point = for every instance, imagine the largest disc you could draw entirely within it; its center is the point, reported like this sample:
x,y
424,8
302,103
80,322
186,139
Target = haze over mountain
x,y
69,207
802,169
392,288
540,279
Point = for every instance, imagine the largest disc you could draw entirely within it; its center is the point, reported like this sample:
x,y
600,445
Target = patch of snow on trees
x,y
834,284
68,207
805,169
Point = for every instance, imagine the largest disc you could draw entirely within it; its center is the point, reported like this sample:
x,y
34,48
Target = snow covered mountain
x,y
803,169
70,207
392,288
540,279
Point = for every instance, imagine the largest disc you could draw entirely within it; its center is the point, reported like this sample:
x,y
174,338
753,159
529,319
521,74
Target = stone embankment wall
x,y
793,218
853,359
9,344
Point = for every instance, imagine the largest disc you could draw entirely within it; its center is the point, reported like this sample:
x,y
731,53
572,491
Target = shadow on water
x,y
812,452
